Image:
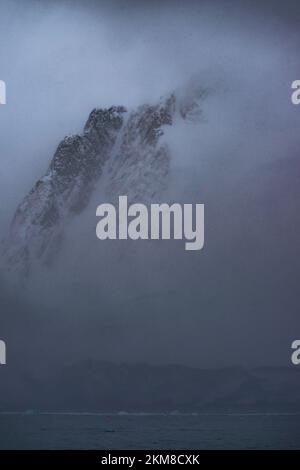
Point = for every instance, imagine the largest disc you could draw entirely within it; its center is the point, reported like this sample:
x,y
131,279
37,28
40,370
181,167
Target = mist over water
x,y
233,303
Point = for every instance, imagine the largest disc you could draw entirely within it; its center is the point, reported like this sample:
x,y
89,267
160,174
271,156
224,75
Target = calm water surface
x,y
124,431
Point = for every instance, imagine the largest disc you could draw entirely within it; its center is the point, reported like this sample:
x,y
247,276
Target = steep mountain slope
x,y
127,144
37,227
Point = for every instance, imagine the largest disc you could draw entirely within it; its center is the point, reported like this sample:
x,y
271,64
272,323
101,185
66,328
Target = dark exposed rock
x,y
137,166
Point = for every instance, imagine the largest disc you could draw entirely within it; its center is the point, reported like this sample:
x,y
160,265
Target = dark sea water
x,y
129,431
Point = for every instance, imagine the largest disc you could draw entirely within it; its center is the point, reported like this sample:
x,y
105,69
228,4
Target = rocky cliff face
x,y
127,145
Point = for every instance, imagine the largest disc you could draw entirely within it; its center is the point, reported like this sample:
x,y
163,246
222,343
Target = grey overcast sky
x,y
60,59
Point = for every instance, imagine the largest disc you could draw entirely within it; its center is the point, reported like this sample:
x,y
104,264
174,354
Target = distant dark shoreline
x,y
96,386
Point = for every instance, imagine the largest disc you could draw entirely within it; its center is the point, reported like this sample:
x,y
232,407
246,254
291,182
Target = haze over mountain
x,y
235,302
120,152
97,386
